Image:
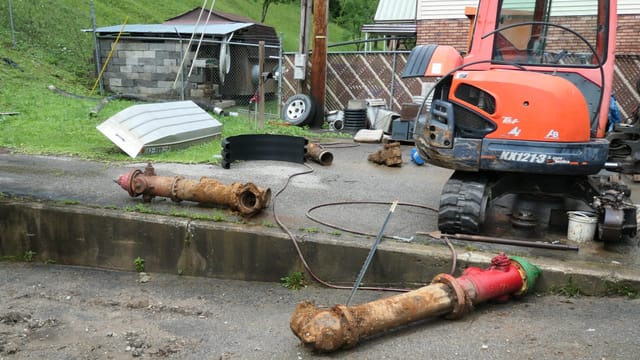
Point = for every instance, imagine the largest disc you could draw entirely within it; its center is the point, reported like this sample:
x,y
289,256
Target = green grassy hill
x,y
51,49
50,31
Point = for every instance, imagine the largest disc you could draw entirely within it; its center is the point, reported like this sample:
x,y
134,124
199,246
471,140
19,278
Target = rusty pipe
x,y
248,199
343,327
515,242
318,154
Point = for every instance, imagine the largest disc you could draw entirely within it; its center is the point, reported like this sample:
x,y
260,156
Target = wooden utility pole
x,y
319,59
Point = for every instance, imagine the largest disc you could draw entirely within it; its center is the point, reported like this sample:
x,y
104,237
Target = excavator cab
x,y
524,112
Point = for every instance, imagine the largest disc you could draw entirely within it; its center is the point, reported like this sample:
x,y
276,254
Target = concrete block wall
x,y
145,69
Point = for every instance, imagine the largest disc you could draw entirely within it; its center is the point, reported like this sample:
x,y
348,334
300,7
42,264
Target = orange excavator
x,y
524,115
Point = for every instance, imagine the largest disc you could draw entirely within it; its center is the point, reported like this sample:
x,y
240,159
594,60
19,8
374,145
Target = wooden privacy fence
x,y
377,75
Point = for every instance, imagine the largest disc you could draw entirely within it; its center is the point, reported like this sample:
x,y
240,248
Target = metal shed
x,y
153,60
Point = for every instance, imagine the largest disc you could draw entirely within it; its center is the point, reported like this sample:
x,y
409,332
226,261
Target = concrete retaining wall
x,y
78,235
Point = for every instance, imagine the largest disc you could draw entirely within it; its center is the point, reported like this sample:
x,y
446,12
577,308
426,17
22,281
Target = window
x,y
546,32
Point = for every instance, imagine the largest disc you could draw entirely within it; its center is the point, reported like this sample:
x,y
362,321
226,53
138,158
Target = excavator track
x,y
463,203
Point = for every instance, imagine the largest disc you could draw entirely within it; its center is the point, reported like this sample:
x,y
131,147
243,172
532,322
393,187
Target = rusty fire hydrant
x,y
248,199
343,327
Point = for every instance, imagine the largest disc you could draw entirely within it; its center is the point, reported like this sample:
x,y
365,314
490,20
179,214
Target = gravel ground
x,y
62,312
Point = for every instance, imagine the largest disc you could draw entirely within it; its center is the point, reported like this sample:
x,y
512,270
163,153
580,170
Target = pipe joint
x,y
461,301
318,154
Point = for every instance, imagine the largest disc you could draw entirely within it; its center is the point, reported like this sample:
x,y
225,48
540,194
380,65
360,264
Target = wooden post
x,y
261,84
470,13
319,59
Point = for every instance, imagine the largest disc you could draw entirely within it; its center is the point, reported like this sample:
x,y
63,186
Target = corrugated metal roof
x,y
191,17
395,10
159,126
209,29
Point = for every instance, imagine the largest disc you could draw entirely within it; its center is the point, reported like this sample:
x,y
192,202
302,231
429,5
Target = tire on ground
x,y
299,110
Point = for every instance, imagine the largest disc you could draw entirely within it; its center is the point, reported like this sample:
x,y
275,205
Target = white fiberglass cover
x,y
159,127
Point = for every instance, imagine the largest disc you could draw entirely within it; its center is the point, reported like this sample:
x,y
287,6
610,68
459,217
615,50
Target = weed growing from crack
x,y
139,264
268,224
294,281
622,288
569,290
29,255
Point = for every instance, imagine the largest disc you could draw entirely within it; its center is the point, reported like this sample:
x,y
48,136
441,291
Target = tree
x,y
265,6
354,14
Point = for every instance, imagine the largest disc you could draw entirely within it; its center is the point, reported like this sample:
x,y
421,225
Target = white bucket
x,y
582,226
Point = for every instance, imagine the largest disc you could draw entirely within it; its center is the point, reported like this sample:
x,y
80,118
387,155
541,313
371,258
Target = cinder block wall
x,y
147,69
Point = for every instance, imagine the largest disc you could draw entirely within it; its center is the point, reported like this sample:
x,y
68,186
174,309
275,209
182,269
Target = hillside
x,y
51,49
50,32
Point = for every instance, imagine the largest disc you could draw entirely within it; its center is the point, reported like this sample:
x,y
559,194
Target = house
x,y
186,58
448,22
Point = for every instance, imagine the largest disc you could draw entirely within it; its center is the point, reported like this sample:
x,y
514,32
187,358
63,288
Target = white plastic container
x,y
582,226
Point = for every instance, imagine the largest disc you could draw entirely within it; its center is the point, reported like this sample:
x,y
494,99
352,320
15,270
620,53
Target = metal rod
x,y
280,73
497,240
371,252
97,45
13,30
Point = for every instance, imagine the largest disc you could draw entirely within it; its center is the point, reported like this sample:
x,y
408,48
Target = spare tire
x,y
299,110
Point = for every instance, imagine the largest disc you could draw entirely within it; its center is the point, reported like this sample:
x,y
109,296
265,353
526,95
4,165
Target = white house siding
x,y
626,7
443,9
454,9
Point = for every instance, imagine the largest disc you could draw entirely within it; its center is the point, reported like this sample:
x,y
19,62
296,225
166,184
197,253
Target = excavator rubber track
x,y
463,203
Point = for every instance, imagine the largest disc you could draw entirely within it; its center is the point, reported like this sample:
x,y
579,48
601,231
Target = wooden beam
x,y
319,59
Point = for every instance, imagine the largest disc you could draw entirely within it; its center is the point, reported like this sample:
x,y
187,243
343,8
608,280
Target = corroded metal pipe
x,y
248,199
318,154
343,327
